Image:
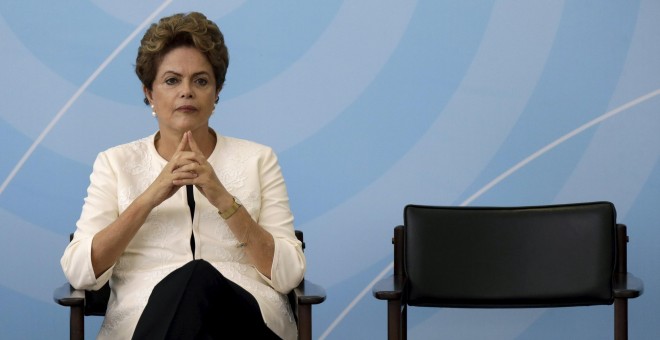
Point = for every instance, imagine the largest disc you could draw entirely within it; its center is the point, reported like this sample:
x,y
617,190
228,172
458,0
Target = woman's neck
x,y
166,143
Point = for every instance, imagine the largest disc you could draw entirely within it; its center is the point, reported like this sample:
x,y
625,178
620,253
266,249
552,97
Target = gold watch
x,y
230,212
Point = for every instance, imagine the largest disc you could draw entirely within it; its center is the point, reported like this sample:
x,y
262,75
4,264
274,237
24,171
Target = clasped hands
x,y
188,166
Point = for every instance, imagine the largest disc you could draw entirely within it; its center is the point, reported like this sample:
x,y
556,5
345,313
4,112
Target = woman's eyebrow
x,y
180,75
171,73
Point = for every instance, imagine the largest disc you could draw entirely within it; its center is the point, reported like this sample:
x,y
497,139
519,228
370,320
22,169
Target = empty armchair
x,y
509,257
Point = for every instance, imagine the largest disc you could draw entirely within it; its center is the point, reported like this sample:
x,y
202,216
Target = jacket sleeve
x,y
288,268
99,210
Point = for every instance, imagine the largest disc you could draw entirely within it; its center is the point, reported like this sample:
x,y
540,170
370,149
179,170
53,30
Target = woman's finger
x,y
184,142
193,144
188,167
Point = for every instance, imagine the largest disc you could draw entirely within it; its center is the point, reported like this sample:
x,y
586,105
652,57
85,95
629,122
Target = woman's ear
x,y
147,95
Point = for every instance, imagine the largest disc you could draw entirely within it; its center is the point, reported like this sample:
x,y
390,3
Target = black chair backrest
x,y
559,255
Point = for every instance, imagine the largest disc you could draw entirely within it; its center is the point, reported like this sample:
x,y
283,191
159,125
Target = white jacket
x,y
248,170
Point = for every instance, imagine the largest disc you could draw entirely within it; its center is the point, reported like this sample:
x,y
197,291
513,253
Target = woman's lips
x,y
187,108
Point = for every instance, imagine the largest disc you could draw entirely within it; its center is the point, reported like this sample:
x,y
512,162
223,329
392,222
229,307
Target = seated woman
x,y
192,228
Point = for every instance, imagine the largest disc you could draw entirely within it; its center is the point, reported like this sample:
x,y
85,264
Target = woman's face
x,y
184,91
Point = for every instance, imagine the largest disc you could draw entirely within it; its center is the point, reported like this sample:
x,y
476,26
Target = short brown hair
x,y
191,29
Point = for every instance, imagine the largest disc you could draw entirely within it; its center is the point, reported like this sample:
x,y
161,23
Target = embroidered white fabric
x,y
248,170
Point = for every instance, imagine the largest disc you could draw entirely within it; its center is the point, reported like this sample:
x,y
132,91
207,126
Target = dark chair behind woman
x,y
509,257
87,303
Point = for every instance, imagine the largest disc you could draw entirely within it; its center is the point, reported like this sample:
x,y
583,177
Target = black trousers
x,y
197,302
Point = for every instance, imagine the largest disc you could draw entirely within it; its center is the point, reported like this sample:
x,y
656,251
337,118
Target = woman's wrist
x,y
228,212
145,201
224,202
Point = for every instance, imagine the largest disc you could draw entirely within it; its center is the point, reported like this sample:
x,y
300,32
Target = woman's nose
x,y
186,90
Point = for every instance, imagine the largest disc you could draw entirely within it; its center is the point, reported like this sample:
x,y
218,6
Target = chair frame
x,y
85,302
392,289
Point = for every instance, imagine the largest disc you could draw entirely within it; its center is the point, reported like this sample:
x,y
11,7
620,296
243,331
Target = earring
x,y
153,113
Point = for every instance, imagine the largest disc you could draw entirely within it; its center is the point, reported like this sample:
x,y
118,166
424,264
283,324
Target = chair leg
x,y
304,322
404,322
621,319
77,323
394,331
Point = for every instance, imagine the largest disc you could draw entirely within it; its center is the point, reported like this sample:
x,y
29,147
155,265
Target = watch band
x,y
232,210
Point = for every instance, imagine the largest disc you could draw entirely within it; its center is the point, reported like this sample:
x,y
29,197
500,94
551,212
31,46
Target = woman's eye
x,y
202,81
171,81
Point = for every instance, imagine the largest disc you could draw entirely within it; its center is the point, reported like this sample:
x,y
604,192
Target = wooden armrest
x,y
389,288
627,286
308,293
66,295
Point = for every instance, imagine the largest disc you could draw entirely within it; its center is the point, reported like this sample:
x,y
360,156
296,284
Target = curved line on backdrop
x,y
79,92
493,183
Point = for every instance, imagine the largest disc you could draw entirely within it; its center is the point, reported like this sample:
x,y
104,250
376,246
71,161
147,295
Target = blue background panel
x,y
370,105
